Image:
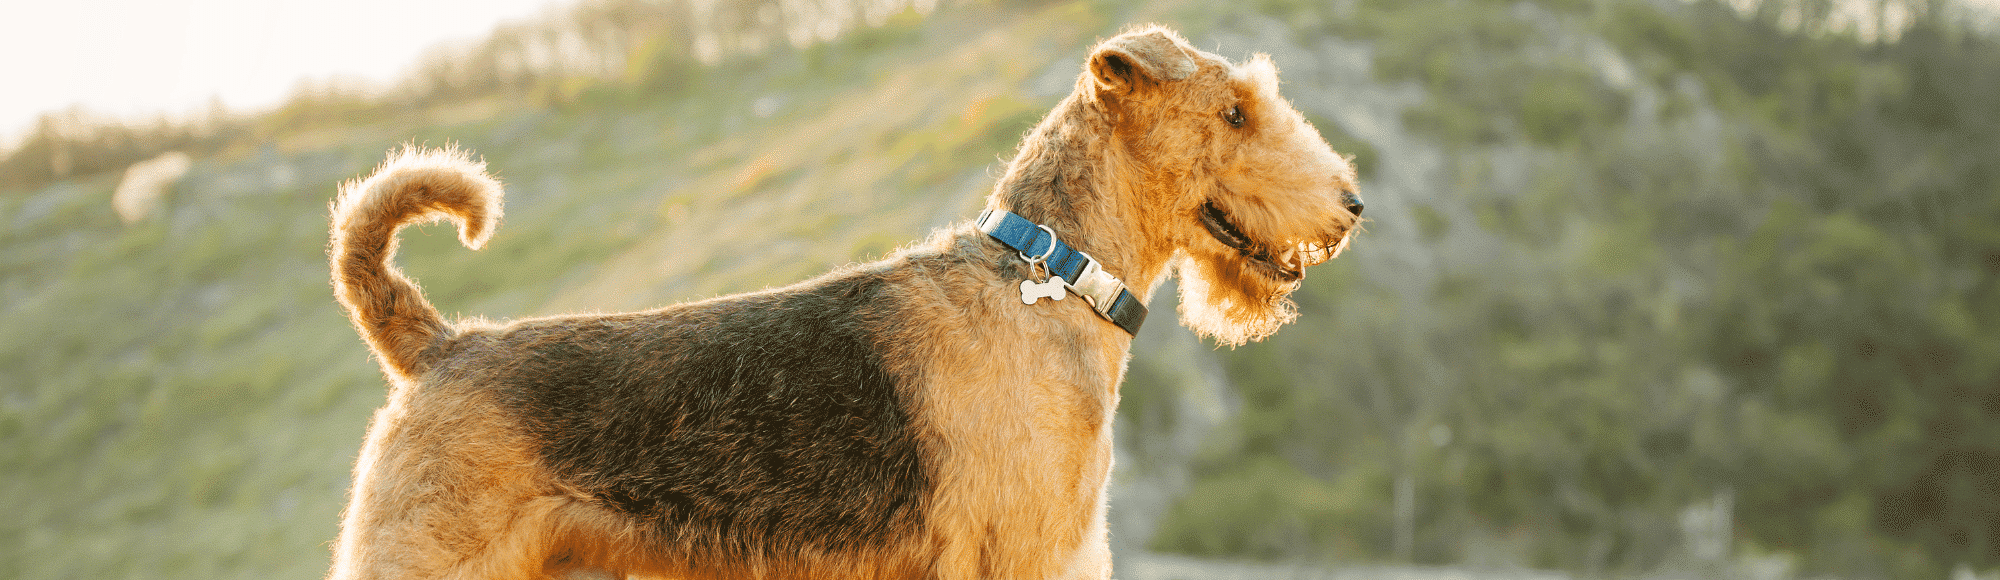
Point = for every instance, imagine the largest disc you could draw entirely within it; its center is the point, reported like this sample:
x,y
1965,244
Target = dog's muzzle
x,y
1286,263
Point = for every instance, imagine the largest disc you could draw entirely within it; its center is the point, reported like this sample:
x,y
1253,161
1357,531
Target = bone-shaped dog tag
x,y
1031,291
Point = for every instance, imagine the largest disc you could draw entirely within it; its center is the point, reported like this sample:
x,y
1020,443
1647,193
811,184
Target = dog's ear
x,y
1134,59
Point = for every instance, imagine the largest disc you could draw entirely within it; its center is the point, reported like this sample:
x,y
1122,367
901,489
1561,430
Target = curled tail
x,y
414,186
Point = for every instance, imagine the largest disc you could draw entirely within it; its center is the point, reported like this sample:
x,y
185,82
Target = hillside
x,y
1649,288
183,398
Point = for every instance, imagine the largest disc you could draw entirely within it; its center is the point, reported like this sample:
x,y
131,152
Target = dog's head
x,y
1245,192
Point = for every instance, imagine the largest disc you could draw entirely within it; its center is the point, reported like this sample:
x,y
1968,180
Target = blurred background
x,y
1651,288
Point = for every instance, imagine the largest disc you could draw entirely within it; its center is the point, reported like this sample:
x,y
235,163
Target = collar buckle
x,y
1096,286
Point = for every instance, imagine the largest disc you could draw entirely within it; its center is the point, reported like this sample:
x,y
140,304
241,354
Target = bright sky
x,y
139,58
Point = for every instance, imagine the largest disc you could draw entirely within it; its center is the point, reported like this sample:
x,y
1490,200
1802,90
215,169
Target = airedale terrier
x,y
941,414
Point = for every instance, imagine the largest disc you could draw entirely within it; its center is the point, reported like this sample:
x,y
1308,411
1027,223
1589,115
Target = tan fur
x,y
413,187
1009,405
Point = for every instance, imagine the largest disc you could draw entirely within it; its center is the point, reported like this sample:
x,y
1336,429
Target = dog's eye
x,y
1234,116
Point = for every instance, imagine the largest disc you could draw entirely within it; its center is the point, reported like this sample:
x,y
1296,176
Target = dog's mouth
x,y
1287,264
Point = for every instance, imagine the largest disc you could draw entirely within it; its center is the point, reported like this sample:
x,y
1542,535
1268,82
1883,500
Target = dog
x,y
944,413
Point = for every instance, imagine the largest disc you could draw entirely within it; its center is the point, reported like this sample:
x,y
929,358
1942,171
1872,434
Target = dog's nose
x,y
1352,202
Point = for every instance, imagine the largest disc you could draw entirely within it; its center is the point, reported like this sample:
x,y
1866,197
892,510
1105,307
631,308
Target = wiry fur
x,y
414,186
908,418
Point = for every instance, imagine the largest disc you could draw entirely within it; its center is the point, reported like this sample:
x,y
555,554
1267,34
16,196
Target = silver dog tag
x,y
1053,288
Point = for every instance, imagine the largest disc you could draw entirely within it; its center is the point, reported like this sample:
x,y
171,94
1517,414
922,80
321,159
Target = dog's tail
x,y
414,186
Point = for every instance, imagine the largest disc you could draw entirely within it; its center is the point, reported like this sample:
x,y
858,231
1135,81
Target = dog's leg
x,y
422,545
526,548
426,503
1092,560
406,545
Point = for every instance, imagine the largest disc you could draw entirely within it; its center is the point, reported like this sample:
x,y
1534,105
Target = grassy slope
x,y
1523,332
183,399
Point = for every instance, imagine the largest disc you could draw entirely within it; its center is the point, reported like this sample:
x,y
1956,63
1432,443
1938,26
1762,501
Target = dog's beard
x,y
1223,297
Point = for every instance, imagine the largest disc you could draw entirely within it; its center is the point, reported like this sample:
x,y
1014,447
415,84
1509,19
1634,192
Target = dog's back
x,y
729,426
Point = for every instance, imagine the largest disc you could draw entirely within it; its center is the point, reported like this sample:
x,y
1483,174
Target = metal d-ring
x,y
1044,258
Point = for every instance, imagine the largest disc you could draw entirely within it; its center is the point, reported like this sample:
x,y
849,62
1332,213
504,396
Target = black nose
x,y
1352,202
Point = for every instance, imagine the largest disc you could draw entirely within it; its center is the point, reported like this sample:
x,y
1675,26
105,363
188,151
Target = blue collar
x,y
1074,270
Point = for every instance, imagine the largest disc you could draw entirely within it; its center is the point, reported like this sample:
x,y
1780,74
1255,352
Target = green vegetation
x,y
1631,265
1741,259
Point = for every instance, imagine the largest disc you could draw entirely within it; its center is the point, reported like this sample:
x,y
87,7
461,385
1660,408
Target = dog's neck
x,y
1061,178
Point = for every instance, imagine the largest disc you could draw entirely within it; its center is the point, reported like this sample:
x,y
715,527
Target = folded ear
x,y
1131,60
